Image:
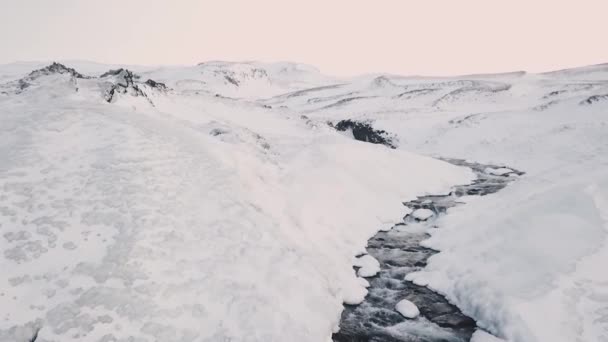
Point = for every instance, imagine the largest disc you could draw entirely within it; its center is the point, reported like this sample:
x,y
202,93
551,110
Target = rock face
x,y
157,85
123,82
363,131
595,98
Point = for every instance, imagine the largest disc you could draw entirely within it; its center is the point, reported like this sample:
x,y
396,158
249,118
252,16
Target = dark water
x,y
399,253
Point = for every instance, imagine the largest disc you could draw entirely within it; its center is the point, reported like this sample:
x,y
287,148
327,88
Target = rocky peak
x,y
124,77
55,68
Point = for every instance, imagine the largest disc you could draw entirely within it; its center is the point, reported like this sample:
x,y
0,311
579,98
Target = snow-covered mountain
x,y
229,201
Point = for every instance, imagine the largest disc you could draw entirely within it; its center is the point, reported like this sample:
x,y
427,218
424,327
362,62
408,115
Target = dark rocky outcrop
x,y
55,68
232,80
593,99
156,85
124,83
364,131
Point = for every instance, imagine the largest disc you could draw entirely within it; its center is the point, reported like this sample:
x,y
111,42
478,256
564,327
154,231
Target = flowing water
x,y
399,253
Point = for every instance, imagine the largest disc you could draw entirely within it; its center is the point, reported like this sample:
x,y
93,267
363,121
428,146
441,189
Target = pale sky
x,y
341,37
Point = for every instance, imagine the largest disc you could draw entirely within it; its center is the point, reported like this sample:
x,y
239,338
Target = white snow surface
x,y
407,309
482,336
183,216
222,211
528,263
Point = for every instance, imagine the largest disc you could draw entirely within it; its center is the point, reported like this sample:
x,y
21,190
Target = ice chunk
x,y
369,266
422,214
407,309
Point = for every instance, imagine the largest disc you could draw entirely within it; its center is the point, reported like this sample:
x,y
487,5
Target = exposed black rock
x,y
20,85
554,93
34,336
364,131
117,72
595,98
157,85
125,83
232,80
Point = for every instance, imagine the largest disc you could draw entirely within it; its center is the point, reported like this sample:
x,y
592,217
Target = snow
x,y
422,214
182,215
407,309
525,262
369,266
482,336
186,217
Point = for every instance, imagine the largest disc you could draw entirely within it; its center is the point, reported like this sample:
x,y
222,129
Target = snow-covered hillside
x,y
215,202
527,263
139,213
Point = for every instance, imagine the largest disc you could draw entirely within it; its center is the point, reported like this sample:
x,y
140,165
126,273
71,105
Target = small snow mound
x,y
355,296
482,336
498,172
422,214
369,266
407,309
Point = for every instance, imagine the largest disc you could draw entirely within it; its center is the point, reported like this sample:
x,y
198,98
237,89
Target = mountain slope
x,y
175,216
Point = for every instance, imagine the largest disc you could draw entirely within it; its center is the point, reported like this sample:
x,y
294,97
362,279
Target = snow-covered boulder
x,y
355,295
407,309
422,214
369,266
